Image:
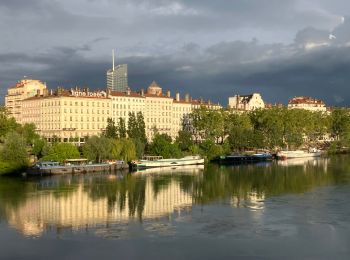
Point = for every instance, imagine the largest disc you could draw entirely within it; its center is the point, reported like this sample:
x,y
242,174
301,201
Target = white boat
x,y
183,169
298,154
158,161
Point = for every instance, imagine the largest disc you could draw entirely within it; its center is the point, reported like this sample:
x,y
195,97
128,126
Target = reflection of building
x,y
24,89
77,209
307,103
117,77
247,102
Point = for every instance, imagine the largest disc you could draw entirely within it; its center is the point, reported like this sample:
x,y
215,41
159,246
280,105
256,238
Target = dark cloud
x,y
208,48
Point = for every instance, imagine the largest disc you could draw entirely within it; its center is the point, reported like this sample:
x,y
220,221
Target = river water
x,y
296,209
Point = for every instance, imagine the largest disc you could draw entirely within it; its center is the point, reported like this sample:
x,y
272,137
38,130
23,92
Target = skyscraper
x,y
117,77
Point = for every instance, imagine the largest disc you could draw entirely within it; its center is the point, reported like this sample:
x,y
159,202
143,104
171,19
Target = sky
x,y
209,49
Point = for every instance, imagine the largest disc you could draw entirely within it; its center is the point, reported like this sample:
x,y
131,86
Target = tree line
x,y
210,133
226,131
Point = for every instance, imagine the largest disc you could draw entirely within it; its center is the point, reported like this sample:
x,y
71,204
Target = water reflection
x,y
107,203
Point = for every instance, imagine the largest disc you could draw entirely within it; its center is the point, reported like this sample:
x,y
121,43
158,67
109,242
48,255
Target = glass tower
x,y
117,77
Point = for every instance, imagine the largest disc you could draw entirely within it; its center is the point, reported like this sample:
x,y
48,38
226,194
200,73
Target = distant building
x,y
247,102
68,115
308,103
23,89
72,115
276,105
117,77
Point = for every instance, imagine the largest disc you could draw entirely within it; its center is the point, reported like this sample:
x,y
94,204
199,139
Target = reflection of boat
x,y
283,155
158,161
172,169
73,166
298,161
244,158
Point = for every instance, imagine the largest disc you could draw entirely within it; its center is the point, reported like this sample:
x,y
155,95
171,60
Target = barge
x,y
244,158
74,166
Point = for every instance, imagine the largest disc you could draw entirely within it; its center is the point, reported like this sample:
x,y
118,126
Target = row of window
x,y
73,127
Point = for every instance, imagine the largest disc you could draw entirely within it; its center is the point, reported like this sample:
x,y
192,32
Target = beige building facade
x,y
68,115
71,115
23,89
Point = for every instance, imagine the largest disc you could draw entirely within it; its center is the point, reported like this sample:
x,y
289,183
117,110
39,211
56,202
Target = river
x,y
296,209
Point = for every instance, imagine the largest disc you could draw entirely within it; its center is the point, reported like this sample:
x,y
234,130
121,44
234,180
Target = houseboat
x,y
158,161
73,166
244,158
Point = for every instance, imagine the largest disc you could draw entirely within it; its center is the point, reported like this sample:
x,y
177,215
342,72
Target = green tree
x,y
7,124
111,129
141,126
184,140
240,131
98,148
123,149
39,147
28,131
140,147
62,151
121,128
132,126
211,150
340,124
14,150
137,127
208,124
162,146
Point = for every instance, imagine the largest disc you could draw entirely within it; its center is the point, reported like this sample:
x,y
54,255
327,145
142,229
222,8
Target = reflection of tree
x,y
13,191
118,191
219,183
161,182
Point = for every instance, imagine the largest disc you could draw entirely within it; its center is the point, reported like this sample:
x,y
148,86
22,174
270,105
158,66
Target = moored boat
x,y
73,166
184,169
158,161
244,158
283,155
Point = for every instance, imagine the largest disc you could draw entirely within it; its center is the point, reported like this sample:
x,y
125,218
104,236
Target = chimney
x,y
168,93
142,92
128,91
177,96
51,93
187,97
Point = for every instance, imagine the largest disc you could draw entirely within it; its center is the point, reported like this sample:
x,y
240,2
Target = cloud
x,y
207,48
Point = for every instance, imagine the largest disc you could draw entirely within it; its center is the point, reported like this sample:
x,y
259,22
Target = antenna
x,y
113,59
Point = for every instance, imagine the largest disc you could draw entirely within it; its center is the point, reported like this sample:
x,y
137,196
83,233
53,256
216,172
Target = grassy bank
x,y
7,168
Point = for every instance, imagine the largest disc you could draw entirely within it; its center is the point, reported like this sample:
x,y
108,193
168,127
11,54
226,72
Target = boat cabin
x,y
152,158
47,164
76,162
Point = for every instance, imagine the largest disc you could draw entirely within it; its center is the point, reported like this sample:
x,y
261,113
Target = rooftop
x,y
305,100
